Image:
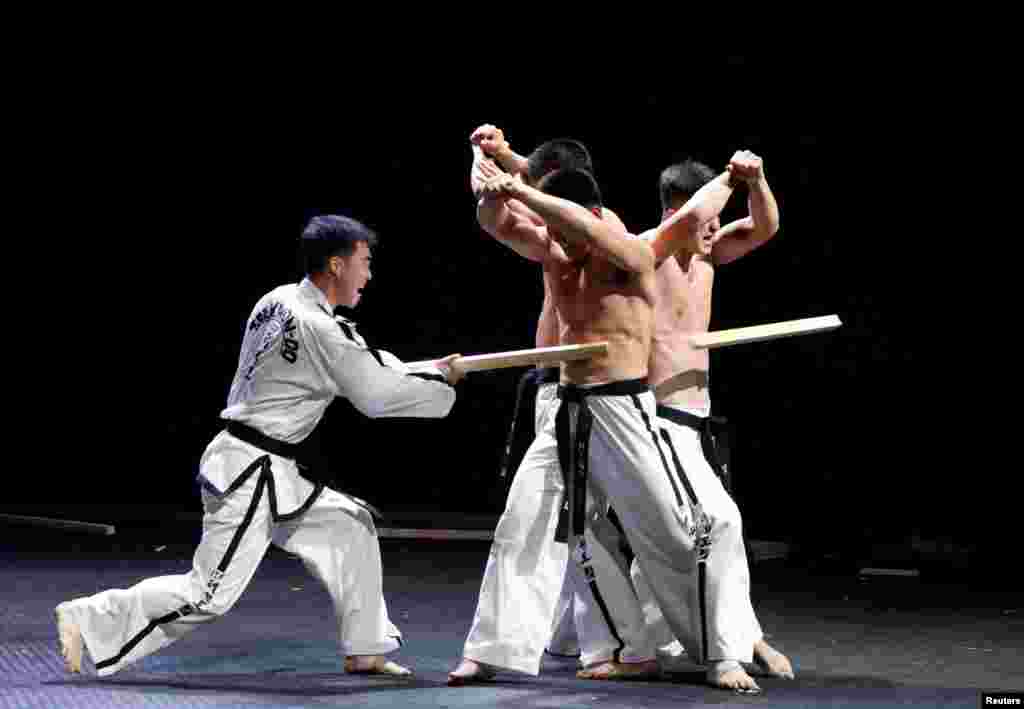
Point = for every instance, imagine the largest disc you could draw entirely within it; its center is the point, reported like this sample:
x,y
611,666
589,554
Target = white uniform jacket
x,y
297,356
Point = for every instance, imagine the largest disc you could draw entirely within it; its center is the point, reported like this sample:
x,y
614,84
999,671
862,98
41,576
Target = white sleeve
x,y
375,389
426,370
393,362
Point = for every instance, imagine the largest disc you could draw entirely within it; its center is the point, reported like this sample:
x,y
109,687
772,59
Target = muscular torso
x,y
596,301
678,372
548,330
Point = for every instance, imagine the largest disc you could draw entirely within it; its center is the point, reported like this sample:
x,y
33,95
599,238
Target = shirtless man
x,y
489,147
602,288
679,375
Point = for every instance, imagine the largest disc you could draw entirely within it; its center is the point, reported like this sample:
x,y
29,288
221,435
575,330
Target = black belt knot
x,y
253,437
626,387
714,451
701,424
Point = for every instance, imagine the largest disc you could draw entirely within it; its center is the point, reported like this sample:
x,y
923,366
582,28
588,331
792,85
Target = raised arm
x,y
742,236
516,231
681,231
507,220
576,223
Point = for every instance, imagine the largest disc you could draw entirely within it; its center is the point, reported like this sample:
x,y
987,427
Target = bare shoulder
x,y
647,236
613,219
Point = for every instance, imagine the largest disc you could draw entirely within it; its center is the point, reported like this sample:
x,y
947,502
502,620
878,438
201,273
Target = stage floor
x,y
907,642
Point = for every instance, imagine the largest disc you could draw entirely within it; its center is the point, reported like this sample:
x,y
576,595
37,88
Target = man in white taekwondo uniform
x,y
295,358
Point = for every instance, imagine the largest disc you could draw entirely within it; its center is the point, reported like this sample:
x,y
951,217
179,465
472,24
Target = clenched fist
x,y
490,139
746,166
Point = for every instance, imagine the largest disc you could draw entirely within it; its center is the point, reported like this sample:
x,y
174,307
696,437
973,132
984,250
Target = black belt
x,y
574,445
626,387
572,432
296,452
545,375
715,453
254,438
684,418
573,424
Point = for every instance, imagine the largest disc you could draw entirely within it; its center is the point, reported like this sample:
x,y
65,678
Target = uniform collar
x,y
310,290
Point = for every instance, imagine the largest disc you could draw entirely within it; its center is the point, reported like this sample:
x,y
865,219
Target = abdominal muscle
x,y
593,307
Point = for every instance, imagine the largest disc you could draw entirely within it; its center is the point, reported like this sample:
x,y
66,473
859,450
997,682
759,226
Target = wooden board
x,y
761,333
524,358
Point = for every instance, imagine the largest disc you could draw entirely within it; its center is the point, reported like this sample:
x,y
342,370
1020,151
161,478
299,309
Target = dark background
x,y
194,202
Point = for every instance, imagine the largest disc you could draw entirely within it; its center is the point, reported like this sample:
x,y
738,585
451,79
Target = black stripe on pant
x,y
697,514
702,540
261,464
574,455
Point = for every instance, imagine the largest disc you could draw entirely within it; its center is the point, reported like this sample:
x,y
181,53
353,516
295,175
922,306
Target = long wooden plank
x,y
761,333
524,358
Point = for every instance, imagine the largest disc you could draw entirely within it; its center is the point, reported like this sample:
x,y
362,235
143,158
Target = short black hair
x,y
577,186
681,181
330,235
557,154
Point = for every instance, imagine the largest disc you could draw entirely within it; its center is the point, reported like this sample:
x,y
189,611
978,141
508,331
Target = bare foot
x,y
731,675
374,665
611,670
773,662
470,672
70,640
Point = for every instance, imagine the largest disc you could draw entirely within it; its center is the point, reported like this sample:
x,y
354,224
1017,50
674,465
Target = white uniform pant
x,y
335,537
732,626
724,618
524,572
563,628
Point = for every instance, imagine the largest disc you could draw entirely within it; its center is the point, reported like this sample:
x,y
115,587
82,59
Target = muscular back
x,y
596,301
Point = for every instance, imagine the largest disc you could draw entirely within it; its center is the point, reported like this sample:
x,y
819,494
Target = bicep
x,y
516,231
675,234
733,241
